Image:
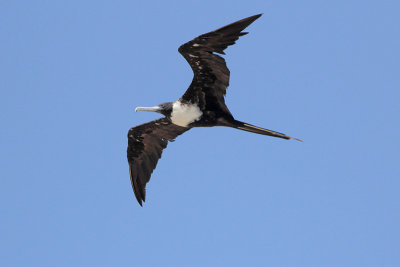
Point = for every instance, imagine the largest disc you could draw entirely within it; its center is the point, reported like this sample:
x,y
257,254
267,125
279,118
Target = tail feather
x,y
258,130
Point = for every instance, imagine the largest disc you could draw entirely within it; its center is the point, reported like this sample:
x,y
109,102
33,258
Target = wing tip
x,y
240,25
139,192
256,16
140,197
252,18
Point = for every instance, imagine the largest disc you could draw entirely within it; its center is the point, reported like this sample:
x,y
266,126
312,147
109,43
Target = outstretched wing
x,y
211,76
145,145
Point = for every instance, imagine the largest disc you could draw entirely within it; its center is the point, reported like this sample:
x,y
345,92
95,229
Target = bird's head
x,y
164,108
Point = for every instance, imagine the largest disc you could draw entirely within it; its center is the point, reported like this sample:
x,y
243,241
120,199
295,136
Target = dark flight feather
x,y
145,145
211,75
207,90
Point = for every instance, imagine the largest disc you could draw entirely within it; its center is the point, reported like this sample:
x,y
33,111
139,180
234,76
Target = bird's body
x,y
202,105
185,114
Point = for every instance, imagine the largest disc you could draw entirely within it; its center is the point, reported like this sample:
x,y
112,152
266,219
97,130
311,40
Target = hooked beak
x,y
152,109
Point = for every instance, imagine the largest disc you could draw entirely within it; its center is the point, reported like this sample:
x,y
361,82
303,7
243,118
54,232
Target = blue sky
x,y
327,72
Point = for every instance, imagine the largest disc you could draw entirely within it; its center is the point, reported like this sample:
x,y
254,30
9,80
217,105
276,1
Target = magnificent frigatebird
x,y
202,105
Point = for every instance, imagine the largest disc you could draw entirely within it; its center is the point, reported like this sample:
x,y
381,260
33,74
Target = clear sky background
x,y
327,72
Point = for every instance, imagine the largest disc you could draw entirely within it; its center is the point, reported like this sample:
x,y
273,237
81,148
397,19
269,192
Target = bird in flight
x,y
202,105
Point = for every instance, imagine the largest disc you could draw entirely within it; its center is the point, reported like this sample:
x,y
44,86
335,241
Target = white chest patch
x,y
185,114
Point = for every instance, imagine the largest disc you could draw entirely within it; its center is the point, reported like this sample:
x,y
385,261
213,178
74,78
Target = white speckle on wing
x,y
185,114
190,55
196,45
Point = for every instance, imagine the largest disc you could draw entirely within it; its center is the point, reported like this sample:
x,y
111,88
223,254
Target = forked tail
x,y
254,129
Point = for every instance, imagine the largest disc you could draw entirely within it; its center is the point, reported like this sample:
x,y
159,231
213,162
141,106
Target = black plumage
x,y
202,105
211,75
145,145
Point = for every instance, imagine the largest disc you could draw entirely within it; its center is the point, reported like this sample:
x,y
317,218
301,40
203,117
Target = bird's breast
x,y
185,114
